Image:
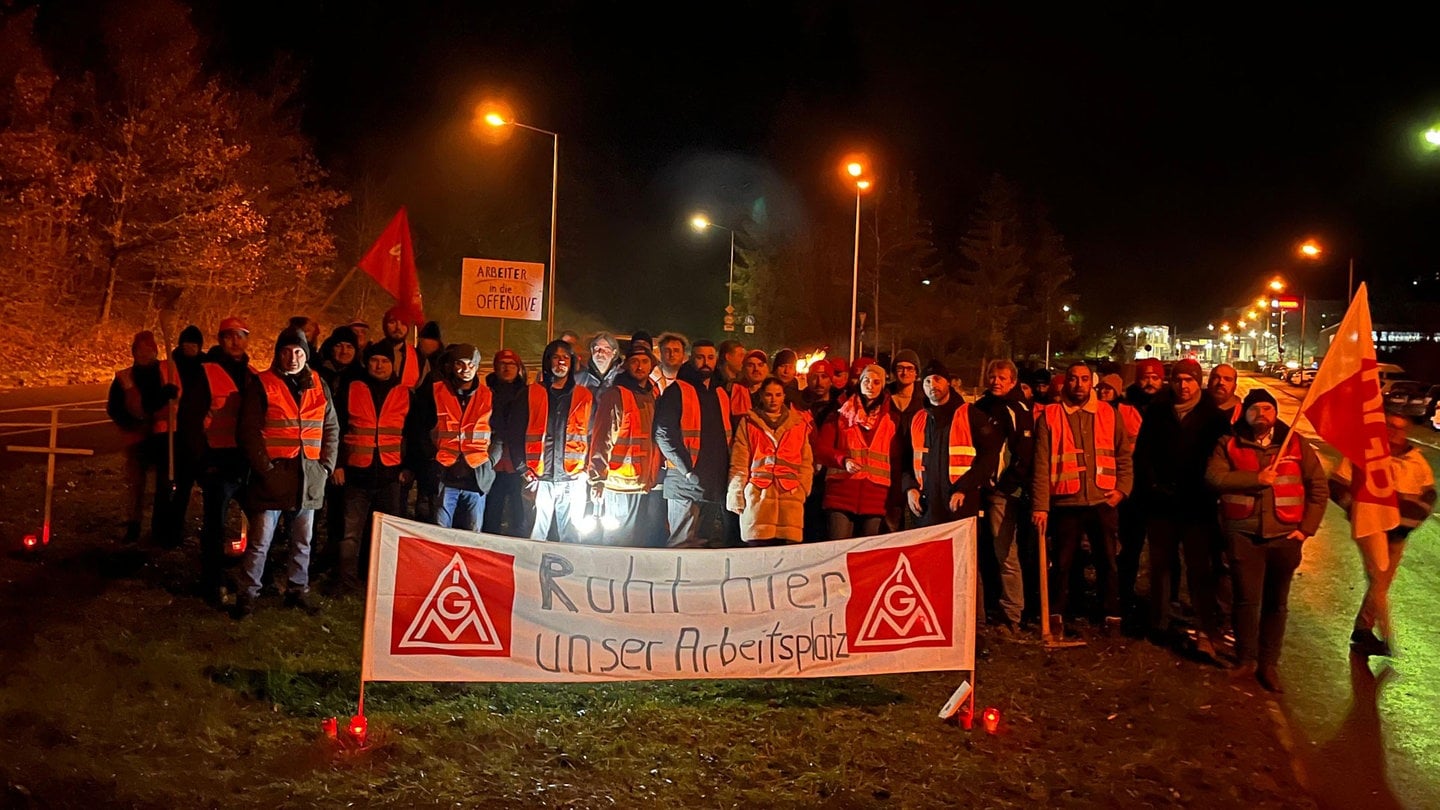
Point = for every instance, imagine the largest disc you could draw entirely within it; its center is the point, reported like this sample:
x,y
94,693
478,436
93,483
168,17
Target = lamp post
x,y
855,170
1312,250
700,222
495,119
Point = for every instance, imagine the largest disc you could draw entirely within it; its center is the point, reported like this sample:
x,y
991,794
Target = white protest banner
x,y
449,605
494,288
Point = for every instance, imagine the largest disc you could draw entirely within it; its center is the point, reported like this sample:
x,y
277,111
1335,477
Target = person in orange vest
x,y
604,365
1177,433
949,453
859,444
408,365
1272,497
223,468
372,409
1221,389
752,372
289,433
1082,472
556,413
692,432
139,404
672,357
624,463
771,468
451,446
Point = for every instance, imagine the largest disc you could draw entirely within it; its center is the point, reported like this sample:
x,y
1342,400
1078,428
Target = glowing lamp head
x,y
1310,250
1277,285
699,222
991,718
854,169
358,728
494,119
1432,136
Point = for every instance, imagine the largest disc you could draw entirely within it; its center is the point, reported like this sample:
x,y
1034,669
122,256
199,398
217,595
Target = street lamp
x,y
855,171
495,119
700,223
1313,251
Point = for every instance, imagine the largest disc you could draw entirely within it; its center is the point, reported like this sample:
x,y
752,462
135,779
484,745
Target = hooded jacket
x,y
559,402
508,403
591,377
1013,416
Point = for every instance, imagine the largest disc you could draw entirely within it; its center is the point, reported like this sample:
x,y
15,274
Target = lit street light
x,y
1312,250
700,223
855,170
495,119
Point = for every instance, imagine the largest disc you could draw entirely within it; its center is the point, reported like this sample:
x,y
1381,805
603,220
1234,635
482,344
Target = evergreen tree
x,y
996,267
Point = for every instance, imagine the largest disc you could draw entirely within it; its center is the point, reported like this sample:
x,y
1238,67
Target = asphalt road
x,y
26,415
1365,735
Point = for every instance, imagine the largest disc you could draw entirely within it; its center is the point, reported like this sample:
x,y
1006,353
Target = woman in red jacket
x,y
857,445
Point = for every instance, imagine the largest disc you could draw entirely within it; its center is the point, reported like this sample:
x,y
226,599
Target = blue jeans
x,y
460,509
262,532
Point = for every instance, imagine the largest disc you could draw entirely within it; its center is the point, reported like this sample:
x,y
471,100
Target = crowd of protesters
x,y
666,442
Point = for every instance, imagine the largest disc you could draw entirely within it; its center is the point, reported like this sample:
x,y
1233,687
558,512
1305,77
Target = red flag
x,y
391,262
1345,407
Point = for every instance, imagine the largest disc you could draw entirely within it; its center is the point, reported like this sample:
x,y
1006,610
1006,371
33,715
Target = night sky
x,y
1182,150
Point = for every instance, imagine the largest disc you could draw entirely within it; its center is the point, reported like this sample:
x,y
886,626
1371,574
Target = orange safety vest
x,y
690,419
410,374
872,456
630,455
740,401
288,430
577,429
1289,487
168,376
1130,415
224,411
366,433
962,445
772,462
1067,459
458,434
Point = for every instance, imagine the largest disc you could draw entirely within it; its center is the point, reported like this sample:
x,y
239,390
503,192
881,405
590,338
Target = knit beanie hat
x,y
1114,382
1151,364
638,347
295,337
785,357
1258,395
906,356
1188,367
379,348
343,334
934,368
430,330
192,334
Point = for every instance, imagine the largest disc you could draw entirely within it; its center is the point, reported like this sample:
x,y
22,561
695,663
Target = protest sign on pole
x,y
495,288
450,605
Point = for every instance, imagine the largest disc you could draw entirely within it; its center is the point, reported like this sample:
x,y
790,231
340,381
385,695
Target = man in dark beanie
x,y
1178,430
907,399
291,437
507,509
624,464
372,408
190,412
450,447
224,469
555,417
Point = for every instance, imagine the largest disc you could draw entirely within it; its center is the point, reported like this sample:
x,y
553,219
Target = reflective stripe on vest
x,y
630,454
873,455
577,428
288,430
366,433
458,434
962,445
773,462
690,418
1067,458
1289,486
224,410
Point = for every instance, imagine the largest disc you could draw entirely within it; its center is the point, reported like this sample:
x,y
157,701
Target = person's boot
x,y
1269,677
1364,643
301,600
244,607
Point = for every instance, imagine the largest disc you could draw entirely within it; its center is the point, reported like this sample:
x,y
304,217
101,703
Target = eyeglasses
x,y
905,367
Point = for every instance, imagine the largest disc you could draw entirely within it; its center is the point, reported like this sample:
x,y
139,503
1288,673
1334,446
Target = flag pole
x,y
338,288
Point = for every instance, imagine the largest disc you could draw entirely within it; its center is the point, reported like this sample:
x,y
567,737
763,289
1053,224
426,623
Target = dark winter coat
x,y
713,461
1171,454
1012,414
287,483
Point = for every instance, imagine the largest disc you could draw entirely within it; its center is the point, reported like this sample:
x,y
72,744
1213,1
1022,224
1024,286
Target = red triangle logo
x,y
452,616
900,611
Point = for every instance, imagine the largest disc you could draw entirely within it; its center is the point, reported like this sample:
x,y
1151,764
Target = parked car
x,y
1296,376
1410,397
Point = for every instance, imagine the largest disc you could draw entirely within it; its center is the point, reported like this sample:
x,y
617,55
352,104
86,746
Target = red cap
x,y
764,358
860,364
232,324
1151,364
818,367
506,354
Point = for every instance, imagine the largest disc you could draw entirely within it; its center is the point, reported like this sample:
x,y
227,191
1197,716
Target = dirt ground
x,y
120,688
